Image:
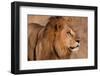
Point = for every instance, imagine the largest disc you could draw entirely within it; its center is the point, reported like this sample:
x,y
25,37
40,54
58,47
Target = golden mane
x,y
48,42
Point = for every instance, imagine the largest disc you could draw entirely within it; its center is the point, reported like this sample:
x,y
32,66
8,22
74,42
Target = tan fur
x,y
54,41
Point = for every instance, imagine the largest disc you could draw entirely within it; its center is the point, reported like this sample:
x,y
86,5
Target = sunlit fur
x,y
56,40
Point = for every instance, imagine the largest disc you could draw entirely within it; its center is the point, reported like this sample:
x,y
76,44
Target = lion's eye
x,y
69,33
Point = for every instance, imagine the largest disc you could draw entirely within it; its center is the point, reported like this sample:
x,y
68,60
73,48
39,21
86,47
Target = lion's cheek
x,y
64,39
62,50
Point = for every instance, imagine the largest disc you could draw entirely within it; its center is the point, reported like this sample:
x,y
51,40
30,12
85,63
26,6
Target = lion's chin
x,y
75,49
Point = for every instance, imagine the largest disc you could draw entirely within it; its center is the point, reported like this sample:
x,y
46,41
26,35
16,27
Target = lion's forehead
x,y
64,34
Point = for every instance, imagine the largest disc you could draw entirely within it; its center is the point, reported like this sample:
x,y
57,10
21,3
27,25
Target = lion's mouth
x,y
76,48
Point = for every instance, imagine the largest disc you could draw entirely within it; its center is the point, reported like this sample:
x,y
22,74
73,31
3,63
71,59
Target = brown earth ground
x,y
78,24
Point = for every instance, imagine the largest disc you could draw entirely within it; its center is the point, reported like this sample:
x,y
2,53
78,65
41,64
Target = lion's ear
x,y
57,27
69,20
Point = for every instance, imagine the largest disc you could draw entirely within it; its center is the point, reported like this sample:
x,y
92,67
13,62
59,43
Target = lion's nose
x,y
78,41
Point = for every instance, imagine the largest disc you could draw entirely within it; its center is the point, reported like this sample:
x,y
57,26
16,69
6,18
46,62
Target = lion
x,y
56,40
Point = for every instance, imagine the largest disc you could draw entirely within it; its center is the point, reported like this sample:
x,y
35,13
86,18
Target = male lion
x,y
56,40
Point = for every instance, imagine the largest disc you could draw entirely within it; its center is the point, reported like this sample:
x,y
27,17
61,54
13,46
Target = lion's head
x,y
56,40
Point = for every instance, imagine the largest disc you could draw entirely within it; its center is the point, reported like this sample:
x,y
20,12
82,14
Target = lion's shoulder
x,y
35,25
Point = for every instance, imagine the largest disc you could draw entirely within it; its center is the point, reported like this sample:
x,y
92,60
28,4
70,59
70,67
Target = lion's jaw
x,y
76,48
